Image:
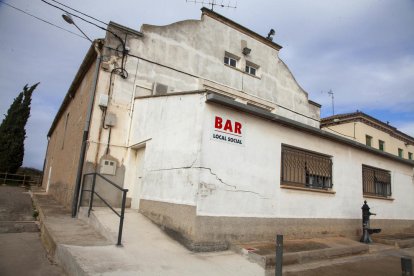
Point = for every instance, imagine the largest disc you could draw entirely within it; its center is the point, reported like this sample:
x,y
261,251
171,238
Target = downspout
x,y
76,191
44,160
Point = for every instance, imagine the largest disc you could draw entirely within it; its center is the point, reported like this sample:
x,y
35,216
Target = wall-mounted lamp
x,y
246,51
270,34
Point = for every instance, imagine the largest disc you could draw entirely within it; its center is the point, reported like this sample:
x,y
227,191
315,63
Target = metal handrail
x,y
21,178
93,192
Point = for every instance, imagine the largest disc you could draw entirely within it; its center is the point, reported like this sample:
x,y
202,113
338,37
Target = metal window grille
x,y
306,169
376,182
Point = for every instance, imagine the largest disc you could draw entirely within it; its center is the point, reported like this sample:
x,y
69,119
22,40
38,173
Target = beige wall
x,y
63,152
357,132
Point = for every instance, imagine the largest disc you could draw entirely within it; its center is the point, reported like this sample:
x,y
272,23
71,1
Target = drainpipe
x,y
76,191
44,161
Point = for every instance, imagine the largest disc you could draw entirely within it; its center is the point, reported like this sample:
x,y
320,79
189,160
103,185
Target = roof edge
x,y
231,23
83,69
353,116
218,99
124,28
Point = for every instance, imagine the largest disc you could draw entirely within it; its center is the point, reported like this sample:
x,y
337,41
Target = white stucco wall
x,y
196,48
171,127
246,179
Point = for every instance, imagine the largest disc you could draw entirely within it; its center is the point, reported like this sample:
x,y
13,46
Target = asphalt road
x,y
21,251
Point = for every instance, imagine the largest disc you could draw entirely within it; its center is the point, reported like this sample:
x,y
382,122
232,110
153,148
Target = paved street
x,y
21,251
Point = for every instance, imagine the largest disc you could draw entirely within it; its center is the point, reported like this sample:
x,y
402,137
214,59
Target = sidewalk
x,y
86,246
146,250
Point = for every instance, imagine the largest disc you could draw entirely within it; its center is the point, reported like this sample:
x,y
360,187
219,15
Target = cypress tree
x,y
13,132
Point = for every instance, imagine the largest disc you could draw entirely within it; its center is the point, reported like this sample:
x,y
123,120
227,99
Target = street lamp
x,y
122,72
69,20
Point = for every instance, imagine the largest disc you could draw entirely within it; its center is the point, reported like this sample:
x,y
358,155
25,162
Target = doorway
x,y
139,173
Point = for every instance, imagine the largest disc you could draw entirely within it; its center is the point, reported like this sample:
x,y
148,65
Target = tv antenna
x,y
331,93
213,3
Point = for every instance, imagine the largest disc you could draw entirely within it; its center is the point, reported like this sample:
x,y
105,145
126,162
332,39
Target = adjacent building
x,y
365,129
215,140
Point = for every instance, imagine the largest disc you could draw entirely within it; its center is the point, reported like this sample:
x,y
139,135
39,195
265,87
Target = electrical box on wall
x,y
108,167
103,100
110,120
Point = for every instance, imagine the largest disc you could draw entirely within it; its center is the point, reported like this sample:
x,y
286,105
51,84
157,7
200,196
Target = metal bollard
x,y
406,266
279,255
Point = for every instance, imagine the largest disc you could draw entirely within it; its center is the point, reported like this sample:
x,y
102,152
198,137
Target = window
x,y
400,153
368,140
304,168
230,61
381,145
410,155
250,70
376,182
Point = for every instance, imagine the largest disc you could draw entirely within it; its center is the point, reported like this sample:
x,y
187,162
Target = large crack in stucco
x,y
216,176
246,191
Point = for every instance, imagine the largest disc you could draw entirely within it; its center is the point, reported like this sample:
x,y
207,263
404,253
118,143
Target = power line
x,y
80,12
77,16
41,19
124,51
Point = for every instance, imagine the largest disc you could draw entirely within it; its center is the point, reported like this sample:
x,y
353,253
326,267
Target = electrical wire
x,y
340,133
124,52
81,18
80,12
41,19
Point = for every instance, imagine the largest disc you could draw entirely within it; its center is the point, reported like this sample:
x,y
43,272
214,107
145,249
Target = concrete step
x,y
58,227
301,251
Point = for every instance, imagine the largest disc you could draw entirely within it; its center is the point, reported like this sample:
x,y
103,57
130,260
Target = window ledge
x,y
307,189
379,197
241,71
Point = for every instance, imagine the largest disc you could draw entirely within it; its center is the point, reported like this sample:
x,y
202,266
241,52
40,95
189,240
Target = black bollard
x,y
279,255
406,266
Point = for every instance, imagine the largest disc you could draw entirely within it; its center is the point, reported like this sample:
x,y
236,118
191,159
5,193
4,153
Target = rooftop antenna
x,y
214,3
331,93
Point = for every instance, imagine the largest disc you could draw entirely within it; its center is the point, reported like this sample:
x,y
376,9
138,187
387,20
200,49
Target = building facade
x,y
215,140
365,129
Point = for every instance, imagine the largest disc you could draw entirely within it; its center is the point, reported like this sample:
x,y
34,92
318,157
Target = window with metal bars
x,y
305,168
376,182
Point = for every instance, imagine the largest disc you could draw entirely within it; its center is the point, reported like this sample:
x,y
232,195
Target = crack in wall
x,y
204,168
246,191
216,176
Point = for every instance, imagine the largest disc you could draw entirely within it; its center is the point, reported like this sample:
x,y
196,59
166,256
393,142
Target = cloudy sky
x,y
362,50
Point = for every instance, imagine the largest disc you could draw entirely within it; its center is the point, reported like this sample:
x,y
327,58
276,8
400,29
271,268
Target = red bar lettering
x,y
218,124
227,126
237,127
